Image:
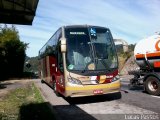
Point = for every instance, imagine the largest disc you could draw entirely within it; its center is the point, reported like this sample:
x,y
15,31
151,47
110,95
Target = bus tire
x,y
42,81
55,89
152,85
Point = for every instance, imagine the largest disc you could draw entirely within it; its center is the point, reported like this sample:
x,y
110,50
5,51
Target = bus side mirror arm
x,y
63,45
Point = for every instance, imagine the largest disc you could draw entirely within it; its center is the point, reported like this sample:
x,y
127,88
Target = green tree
x,y
12,53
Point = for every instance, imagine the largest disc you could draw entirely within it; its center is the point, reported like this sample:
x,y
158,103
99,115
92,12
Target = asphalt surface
x,y
138,97
129,105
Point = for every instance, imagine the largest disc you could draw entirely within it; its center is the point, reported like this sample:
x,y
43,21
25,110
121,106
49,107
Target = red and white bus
x,y
80,60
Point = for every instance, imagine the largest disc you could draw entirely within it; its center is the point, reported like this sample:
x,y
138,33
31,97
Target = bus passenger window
x,y
60,60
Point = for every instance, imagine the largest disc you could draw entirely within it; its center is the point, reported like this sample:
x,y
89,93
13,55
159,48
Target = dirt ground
x,y
129,65
6,86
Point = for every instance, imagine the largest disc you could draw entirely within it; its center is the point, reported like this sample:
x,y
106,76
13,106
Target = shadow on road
x,y
93,99
141,88
71,112
132,88
40,111
36,111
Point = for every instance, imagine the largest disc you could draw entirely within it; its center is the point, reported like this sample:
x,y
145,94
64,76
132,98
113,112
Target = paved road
x,y
134,104
138,97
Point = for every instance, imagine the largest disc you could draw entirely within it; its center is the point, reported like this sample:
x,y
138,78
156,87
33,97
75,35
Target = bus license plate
x,y
98,91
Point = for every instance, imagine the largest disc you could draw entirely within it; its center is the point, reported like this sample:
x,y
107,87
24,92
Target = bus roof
x,y
83,26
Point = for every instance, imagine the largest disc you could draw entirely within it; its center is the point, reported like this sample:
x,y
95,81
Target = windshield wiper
x,y
104,64
85,69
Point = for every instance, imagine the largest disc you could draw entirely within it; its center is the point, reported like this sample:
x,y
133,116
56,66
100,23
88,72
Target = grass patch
x,y
25,104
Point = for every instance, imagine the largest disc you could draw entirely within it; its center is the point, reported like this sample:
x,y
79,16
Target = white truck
x,y
147,56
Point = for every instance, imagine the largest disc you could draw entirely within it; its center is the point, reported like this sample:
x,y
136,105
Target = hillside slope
x,y
129,65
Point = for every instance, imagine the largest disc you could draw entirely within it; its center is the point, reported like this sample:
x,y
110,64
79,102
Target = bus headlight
x,y
74,81
116,78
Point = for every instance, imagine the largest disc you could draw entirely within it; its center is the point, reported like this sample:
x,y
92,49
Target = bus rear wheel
x,y
152,85
55,89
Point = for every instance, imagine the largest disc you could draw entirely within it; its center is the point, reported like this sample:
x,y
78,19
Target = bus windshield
x,y
90,49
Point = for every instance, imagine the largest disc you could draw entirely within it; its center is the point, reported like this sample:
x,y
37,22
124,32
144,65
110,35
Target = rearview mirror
x,y
63,44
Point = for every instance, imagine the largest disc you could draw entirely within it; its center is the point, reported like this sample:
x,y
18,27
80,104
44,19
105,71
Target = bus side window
x,y
60,59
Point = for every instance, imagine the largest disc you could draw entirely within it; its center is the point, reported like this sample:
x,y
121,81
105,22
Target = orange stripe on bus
x,y
140,56
157,64
157,45
153,54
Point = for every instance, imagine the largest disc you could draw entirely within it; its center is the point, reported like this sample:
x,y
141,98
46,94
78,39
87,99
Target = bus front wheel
x,y
55,89
42,81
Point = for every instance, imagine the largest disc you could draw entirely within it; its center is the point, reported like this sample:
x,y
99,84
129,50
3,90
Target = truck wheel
x,y
55,89
152,85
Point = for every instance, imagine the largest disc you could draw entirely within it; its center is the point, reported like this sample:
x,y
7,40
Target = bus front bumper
x,y
89,90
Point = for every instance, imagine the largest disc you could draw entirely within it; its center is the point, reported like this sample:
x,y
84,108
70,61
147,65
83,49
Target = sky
x,y
131,20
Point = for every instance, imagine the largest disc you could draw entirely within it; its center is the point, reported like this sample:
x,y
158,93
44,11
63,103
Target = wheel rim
x,y
153,85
